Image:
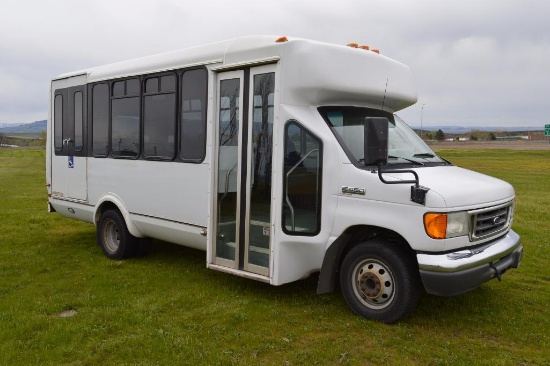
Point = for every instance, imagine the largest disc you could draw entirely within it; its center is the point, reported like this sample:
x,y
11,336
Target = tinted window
x,y
303,168
193,115
118,89
132,87
125,121
58,123
78,121
152,85
125,127
159,119
100,119
168,83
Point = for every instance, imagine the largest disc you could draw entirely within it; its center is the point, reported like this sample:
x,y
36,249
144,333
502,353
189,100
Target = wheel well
x,y
359,234
110,205
105,206
344,243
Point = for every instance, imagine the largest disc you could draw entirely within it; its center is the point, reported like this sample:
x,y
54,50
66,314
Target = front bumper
x,y
462,271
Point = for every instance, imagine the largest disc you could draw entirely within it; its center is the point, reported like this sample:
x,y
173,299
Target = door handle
x,y
66,141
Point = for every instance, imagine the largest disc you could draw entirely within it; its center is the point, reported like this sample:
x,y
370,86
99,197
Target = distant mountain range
x,y
39,126
457,130
24,128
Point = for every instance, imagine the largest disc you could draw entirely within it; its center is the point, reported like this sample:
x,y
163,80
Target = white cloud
x,y
476,62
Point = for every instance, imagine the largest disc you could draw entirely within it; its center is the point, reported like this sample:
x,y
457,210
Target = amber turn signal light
x,y
435,225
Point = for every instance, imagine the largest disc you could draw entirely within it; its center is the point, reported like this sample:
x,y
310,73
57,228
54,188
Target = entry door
x,y
69,159
243,238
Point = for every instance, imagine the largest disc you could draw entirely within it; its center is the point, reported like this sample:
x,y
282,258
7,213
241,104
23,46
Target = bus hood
x,y
460,187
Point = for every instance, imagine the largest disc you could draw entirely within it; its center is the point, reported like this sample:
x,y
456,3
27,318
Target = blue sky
x,y
476,63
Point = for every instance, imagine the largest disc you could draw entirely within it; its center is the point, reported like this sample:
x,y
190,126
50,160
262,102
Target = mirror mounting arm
x,y
418,192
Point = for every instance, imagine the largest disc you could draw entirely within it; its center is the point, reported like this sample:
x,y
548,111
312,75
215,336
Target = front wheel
x,y
379,281
114,237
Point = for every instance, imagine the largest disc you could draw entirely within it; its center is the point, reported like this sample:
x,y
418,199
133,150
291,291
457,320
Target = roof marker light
x,y
376,51
365,47
281,39
353,45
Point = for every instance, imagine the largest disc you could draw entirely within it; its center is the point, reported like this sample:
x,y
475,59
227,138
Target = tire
x,y
114,237
144,247
379,281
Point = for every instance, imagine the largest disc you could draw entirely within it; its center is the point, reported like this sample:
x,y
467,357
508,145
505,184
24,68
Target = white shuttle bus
x,y
279,158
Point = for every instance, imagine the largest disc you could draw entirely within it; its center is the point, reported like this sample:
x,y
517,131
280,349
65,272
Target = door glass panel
x,y
259,224
302,181
226,235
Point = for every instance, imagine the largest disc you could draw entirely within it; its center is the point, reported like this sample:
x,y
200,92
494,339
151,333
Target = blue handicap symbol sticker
x,y
71,162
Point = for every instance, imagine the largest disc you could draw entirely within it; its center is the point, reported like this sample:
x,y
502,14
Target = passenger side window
x,y
78,122
159,117
100,120
58,123
302,181
193,115
125,119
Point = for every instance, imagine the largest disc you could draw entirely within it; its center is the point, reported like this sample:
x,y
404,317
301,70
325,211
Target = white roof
x,y
311,72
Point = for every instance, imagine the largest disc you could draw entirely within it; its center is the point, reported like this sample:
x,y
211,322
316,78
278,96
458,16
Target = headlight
x,y
446,225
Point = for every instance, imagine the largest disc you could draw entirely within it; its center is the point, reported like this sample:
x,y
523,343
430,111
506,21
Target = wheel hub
x,y
374,283
370,284
111,236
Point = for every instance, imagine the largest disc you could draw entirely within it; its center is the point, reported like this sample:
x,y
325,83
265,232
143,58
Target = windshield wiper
x,y
424,155
430,155
398,157
409,160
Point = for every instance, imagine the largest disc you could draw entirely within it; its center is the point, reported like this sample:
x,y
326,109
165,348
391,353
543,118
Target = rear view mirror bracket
x,y
418,192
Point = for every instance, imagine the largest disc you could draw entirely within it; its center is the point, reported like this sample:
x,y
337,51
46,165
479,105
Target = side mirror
x,y
376,141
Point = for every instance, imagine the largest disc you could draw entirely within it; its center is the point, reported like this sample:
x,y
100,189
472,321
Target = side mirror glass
x,y
376,141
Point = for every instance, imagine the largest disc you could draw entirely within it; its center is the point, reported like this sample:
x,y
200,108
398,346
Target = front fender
x,y
329,268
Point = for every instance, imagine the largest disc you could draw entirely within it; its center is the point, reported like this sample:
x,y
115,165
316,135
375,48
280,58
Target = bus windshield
x,y
404,145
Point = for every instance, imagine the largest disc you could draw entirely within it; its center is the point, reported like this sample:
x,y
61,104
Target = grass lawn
x,y
63,302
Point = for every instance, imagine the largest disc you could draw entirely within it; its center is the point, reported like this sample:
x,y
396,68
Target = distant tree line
x,y
23,141
438,135
474,135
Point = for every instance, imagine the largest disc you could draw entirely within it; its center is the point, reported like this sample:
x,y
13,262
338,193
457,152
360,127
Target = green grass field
x,y
168,309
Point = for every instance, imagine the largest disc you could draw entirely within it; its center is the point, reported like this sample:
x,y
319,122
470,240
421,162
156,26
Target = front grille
x,y
490,221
